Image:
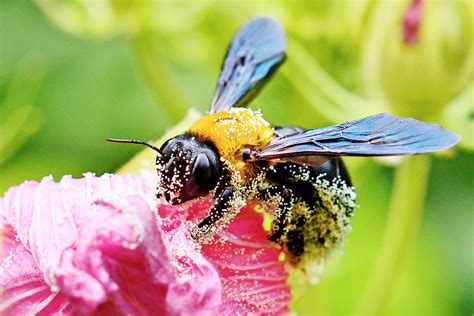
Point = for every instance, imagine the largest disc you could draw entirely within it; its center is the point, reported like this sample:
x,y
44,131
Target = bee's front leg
x,y
207,227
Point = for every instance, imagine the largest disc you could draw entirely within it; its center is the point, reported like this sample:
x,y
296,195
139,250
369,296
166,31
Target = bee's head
x,y
187,168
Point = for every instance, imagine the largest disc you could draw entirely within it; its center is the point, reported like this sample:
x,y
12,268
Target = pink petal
x,y
23,290
94,245
253,278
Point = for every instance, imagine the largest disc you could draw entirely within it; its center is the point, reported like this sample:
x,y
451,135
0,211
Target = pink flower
x,y
99,245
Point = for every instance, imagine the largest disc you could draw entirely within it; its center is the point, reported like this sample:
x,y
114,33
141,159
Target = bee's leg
x,y
217,211
289,238
281,218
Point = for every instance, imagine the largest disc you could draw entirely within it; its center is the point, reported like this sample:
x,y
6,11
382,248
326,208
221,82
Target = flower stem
x,y
406,208
151,61
19,118
458,116
322,92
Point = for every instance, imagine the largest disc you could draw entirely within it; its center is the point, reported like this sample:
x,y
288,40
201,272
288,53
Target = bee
x,y
234,155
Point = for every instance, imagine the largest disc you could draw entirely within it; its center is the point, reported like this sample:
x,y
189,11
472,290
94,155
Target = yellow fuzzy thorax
x,y
231,132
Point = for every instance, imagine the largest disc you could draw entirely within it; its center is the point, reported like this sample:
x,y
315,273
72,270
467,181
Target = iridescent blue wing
x,y
256,51
378,135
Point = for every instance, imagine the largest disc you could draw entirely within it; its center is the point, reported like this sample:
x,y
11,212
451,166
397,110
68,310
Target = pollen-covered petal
x,y
95,245
112,252
254,279
22,288
188,295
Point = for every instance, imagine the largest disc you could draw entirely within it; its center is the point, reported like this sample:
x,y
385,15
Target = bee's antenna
x,y
133,141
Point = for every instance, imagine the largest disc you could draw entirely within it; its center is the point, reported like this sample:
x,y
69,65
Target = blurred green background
x,y
73,73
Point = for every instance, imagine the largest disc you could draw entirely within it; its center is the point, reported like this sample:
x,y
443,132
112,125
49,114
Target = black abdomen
x,y
315,209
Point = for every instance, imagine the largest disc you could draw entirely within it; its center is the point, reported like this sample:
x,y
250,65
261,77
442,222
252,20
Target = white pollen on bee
x,y
325,230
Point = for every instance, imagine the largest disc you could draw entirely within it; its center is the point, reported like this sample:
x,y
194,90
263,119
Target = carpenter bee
x,y
234,155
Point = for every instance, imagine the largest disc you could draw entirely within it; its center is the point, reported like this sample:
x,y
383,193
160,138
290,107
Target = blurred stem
x,y
379,24
19,118
411,179
458,116
159,78
322,92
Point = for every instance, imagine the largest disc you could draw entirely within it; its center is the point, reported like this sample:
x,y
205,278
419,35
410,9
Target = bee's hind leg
x,y
283,230
281,215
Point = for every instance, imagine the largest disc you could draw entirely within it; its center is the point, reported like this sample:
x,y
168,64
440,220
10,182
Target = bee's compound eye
x,y
202,168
